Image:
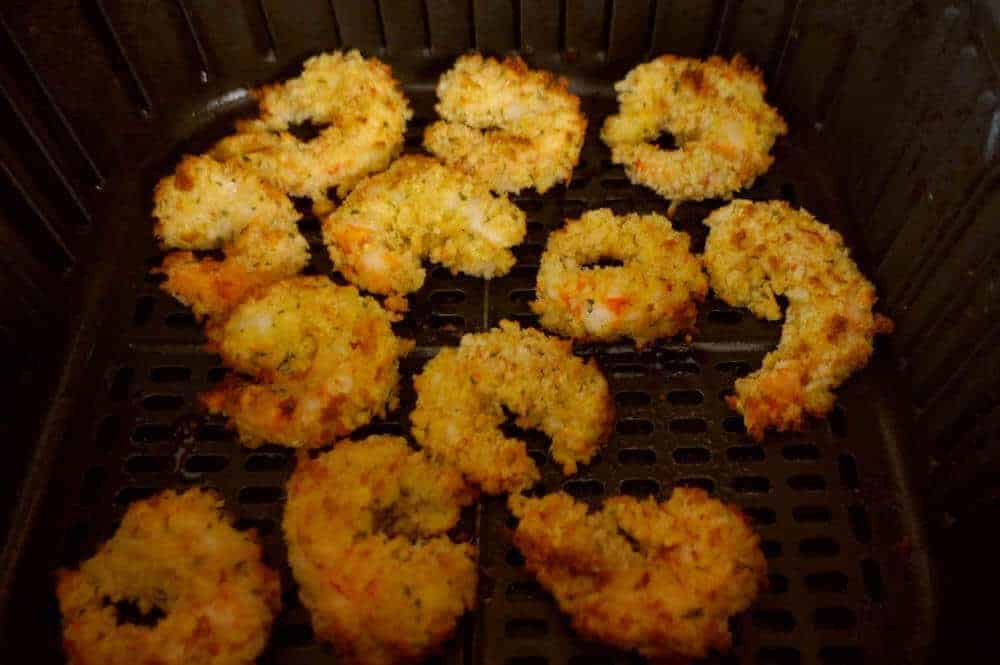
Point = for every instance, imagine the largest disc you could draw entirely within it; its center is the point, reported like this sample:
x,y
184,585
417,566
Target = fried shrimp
x,y
508,125
661,578
756,251
715,110
462,393
653,294
323,361
359,106
177,557
205,205
419,209
366,526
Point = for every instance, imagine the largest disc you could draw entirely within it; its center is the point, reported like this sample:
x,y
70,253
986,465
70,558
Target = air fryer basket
x,y
892,108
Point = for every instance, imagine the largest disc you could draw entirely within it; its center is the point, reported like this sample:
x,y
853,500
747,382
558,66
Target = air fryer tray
x,y
847,580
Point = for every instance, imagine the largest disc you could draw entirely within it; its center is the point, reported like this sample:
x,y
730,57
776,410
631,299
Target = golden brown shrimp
x,y
715,110
366,526
756,251
510,126
661,578
653,294
176,555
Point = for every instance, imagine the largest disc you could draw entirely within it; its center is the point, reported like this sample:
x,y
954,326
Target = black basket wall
x,y
873,522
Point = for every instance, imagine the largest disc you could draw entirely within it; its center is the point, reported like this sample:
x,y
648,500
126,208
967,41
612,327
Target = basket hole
x,y
108,431
685,397
526,629
819,547
734,368
639,487
634,426
93,481
800,452
148,464
632,398
734,424
161,402
807,482
860,524
841,655
761,515
514,557
262,525
745,454
834,618
872,580
523,591
522,296
777,621
751,484
127,612
706,484
778,656
447,297
260,495
152,433
727,317
143,310
266,462
129,495
848,470
688,426
121,382
584,489
292,634
205,463
692,455
170,374
770,548
447,322
777,584
181,321
830,581
214,433
812,514
637,456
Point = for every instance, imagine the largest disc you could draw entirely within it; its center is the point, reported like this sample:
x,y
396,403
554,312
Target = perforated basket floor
x,y
827,502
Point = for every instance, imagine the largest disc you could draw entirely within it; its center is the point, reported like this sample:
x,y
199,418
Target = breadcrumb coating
x,y
510,126
723,127
661,578
358,104
204,205
323,361
654,293
757,251
420,209
462,393
178,555
366,526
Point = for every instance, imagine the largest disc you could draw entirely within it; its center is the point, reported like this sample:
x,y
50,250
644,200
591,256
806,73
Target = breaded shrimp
x,y
510,126
207,204
661,578
723,127
362,111
176,556
756,251
653,294
366,526
462,393
419,209
323,358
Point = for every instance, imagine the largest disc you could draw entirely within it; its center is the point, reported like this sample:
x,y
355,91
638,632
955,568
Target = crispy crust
x,y
205,204
324,362
178,553
756,251
363,111
366,526
462,392
653,294
421,209
661,578
510,126
716,111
